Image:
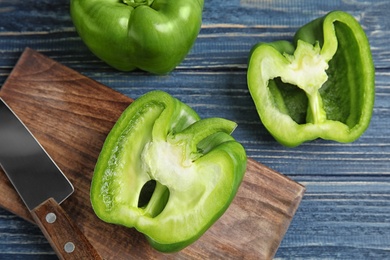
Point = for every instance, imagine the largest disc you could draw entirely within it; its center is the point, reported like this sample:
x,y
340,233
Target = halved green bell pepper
x,y
166,172
152,35
320,86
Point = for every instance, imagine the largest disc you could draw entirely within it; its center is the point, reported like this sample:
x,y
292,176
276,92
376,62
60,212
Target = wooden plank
x,y
223,43
71,115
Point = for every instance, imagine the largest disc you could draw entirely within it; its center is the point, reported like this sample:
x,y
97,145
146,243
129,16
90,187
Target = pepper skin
x,y
322,86
166,172
154,36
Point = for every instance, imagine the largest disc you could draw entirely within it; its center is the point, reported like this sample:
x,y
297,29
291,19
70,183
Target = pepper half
x,y
166,172
152,35
322,86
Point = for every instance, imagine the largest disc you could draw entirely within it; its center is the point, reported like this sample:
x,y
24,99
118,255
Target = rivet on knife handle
x,y
64,236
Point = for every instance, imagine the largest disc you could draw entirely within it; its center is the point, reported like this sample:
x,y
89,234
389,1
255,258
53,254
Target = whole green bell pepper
x,y
152,35
322,86
166,172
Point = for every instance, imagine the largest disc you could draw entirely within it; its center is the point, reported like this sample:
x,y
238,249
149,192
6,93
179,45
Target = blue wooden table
x,y
345,213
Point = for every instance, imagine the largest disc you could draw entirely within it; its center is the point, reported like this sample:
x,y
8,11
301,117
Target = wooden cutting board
x,y
71,115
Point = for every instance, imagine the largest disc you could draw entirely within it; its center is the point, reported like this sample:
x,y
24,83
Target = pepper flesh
x,y
166,172
320,86
154,36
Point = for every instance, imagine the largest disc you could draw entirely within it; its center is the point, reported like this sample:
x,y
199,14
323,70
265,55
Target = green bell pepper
x,y
152,35
166,172
322,86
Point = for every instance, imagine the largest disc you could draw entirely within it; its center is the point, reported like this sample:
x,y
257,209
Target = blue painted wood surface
x,y
345,213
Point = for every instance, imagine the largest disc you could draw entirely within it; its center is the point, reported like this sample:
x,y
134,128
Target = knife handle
x,y
64,236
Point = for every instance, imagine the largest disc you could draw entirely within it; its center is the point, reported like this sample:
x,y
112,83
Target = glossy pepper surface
x,y
320,86
154,36
166,172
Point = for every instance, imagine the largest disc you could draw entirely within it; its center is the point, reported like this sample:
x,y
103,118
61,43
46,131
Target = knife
x,y
42,187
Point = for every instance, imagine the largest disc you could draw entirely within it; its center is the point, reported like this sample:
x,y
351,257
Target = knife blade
x,y
41,185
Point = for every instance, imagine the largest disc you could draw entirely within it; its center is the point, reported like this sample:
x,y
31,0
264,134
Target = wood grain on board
x,y
71,115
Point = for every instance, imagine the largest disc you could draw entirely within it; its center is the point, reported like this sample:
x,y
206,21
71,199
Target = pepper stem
x,y
135,3
307,70
200,130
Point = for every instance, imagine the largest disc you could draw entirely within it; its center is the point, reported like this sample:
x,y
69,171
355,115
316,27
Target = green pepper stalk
x,y
322,86
166,172
152,35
